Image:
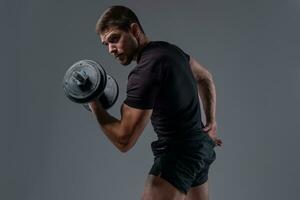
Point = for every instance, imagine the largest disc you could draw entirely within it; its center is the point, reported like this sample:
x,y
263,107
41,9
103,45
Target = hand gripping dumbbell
x,y
86,80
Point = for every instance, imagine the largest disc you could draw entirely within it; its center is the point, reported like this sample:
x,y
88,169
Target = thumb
x,y
207,127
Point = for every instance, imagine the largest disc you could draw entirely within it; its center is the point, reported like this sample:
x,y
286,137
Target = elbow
x,y
124,144
206,78
124,149
127,141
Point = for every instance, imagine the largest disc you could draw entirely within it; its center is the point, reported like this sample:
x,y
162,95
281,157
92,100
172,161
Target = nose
x,y
112,48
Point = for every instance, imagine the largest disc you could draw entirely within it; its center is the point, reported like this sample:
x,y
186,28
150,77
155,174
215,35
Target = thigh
x,y
198,193
156,188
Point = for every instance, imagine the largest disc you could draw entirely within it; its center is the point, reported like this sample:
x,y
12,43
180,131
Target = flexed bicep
x,y
133,122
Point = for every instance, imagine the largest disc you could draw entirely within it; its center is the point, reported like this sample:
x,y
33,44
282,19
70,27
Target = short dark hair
x,y
117,16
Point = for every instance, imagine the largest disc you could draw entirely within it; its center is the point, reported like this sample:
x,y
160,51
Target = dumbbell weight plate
x,y
92,87
111,93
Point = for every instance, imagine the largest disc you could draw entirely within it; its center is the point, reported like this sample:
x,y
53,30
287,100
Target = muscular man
x,y
164,86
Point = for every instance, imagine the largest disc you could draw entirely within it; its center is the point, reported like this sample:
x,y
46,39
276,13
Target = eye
x,y
114,39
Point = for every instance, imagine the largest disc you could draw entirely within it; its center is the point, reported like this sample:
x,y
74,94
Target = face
x,y
121,44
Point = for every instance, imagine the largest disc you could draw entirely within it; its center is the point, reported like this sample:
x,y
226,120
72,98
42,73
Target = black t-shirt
x,y
163,81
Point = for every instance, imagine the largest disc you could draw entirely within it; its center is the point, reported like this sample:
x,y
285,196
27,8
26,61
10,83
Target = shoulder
x,y
160,51
154,54
156,49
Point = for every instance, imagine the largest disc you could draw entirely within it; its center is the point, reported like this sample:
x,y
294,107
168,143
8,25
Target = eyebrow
x,y
109,35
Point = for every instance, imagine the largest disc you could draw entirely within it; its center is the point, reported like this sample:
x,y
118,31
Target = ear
x,y
135,30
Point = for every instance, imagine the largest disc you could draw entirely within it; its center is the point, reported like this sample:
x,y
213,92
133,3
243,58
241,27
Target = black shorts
x,y
184,163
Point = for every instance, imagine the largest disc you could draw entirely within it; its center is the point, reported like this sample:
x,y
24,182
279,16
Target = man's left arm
x,y
122,133
207,92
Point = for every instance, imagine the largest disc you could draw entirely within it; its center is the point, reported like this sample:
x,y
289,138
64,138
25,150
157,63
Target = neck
x,y
142,42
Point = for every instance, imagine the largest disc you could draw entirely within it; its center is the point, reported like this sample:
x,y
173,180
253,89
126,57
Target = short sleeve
x,y
144,83
187,56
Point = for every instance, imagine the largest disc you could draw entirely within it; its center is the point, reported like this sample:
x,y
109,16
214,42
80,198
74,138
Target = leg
x,y
198,193
157,188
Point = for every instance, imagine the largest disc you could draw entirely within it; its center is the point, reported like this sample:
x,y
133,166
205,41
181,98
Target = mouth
x,y
119,56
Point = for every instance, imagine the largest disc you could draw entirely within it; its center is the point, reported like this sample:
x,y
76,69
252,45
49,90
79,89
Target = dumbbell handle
x,y
80,77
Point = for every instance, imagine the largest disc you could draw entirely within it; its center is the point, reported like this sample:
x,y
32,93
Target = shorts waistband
x,y
164,144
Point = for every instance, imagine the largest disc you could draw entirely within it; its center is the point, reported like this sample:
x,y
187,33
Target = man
x,y
164,86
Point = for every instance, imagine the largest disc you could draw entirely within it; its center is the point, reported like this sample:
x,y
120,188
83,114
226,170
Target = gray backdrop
x,y
52,149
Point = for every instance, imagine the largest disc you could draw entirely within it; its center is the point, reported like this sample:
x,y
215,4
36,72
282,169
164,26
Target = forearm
x,y
207,92
111,126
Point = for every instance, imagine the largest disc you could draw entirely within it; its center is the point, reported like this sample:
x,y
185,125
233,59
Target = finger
x,y
207,127
212,131
219,142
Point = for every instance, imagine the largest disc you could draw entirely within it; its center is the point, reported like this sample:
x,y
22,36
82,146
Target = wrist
x,y
95,105
211,120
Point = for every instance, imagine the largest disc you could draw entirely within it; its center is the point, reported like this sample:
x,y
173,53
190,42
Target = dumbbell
x,y
87,80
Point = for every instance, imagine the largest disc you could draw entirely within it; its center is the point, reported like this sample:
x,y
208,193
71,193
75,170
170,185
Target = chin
x,y
125,62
